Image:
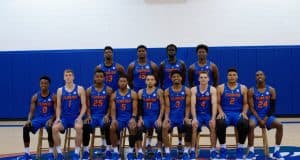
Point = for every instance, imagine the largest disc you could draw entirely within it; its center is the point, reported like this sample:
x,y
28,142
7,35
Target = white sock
x,y
213,149
103,142
130,150
240,145
140,150
251,149
159,150
167,149
116,149
186,150
50,149
223,145
179,141
58,149
77,150
193,149
86,148
148,141
276,148
27,150
108,147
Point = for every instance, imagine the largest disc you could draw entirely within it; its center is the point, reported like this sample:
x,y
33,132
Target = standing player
x,y
97,97
44,102
112,69
140,68
203,65
232,108
151,109
204,110
177,113
71,106
123,113
262,100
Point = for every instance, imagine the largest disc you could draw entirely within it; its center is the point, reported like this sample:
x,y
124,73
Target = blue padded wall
x,y
21,71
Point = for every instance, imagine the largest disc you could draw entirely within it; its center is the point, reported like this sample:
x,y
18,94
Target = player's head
x,y
202,51
176,77
171,50
141,51
260,76
232,75
203,77
69,76
123,81
44,82
150,80
99,76
108,53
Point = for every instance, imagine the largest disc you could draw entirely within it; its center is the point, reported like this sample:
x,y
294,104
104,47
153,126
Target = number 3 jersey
x,y
123,105
44,105
262,101
98,102
232,99
177,104
70,103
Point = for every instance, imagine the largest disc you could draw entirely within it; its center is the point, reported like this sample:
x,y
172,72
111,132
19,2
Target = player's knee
x,y
26,129
221,124
243,124
87,128
139,134
280,126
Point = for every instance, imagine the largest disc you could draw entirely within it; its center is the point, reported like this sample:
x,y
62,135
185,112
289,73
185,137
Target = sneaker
x,y
192,155
85,155
108,155
250,156
213,154
168,156
185,156
158,156
50,156
130,156
239,153
115,156
223,153
60,156
26,156
75,156
277,155
140,156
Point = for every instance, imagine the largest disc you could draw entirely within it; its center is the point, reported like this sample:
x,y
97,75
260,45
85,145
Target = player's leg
x,y
132,126
167,128
221,125
56,129
272,122
252,124
242,126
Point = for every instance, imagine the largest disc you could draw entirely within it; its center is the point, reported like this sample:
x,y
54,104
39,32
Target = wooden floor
x,y
11,136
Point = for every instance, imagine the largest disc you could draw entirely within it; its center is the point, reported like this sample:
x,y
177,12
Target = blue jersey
x,y
139,75
205,68
44,105
262,101
151,104
203,101
70,102
98,102
232,100
111,75
177,104
168,68
123,105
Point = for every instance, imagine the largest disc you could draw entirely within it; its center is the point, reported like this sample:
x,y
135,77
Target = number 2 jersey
x,y
232,99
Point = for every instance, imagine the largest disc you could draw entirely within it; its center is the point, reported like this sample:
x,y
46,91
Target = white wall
x,y
82,24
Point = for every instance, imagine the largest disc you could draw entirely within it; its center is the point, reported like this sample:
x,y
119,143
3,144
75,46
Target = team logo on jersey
x,y
128,95
75,92
103,92
267,93
177,65
206,67
49,99
207,94
237,90
113,67
182,93
154,94
147,67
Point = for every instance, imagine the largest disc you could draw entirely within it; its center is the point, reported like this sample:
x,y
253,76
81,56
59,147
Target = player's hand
x,y
221,115
195,123
88,120
78,120
158,122
187,121
261,123
57,120
49,122
140,122
28,123
132,123
244,115
106,119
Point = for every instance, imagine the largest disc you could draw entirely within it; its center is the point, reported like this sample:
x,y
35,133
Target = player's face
x,y
141,52
203,78
99,78
202,54
108,54
176,78
232,77
150,81
260,76
44,84
122,83
171,51
68,77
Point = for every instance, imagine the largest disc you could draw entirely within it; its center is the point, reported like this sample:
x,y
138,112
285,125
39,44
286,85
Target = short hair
x,y
141,46
97,70
203,72
232,70
123,76
108,48
172,45
176,72
202,46
68,71
45,77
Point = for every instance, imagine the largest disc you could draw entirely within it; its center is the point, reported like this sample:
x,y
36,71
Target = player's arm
x,y
162,103
130,74
191,71
272,102
58,104
155,70
220,91
215,74
82,95
161,74
214,102
245,101
134,104
113,106
193,102
88,102
33,102
54,98
140,105
167,104
120,69
187,103
109,92
183,71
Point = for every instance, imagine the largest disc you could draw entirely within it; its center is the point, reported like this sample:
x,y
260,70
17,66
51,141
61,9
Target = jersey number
x,y
44,110
123,106
231,101
142,75
177,104
109,78
148,106
203,104
262,104
98,102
